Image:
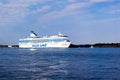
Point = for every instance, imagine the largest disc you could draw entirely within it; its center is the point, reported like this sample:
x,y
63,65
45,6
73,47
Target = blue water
x,y
60,64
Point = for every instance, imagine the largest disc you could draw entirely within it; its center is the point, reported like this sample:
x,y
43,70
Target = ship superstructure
x,y
33,41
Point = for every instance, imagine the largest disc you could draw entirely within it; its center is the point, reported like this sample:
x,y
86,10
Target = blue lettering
x,y
35,46
43,45
39,46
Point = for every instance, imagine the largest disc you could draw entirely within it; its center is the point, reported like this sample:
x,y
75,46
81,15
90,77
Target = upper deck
x,y
34,38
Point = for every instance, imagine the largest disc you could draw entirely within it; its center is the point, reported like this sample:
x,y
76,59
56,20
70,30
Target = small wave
x,y
32,49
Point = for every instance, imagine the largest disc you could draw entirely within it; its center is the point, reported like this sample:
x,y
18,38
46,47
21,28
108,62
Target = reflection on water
x,y
60,64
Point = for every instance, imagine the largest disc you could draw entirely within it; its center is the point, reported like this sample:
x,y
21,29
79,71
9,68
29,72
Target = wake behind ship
x,y
33,41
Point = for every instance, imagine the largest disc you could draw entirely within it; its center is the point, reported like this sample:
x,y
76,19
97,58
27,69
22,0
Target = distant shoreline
x,y
97,45
9,46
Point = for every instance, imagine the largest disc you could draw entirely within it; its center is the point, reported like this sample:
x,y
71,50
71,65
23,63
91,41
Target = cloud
x,y
75,7
112,9
8,13
98,1
42,9
67,10
28,2
71,1
12,11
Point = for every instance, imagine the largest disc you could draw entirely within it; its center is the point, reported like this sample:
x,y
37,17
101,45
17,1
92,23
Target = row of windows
x,y
47,40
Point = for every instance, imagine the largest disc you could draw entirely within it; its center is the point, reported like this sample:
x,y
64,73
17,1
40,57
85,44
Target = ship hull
x,y
45,45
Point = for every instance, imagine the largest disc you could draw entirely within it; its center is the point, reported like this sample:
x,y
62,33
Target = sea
x,y
60,64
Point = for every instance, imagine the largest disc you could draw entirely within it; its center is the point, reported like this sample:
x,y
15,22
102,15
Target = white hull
x,y
45,45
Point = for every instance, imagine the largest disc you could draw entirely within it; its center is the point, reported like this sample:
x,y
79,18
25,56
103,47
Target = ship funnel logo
x,y
33,34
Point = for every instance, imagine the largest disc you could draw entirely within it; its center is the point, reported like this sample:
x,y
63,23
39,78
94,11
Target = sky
x,y
84,21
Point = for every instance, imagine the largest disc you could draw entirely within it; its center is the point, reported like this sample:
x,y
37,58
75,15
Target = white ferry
x,y
33,41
